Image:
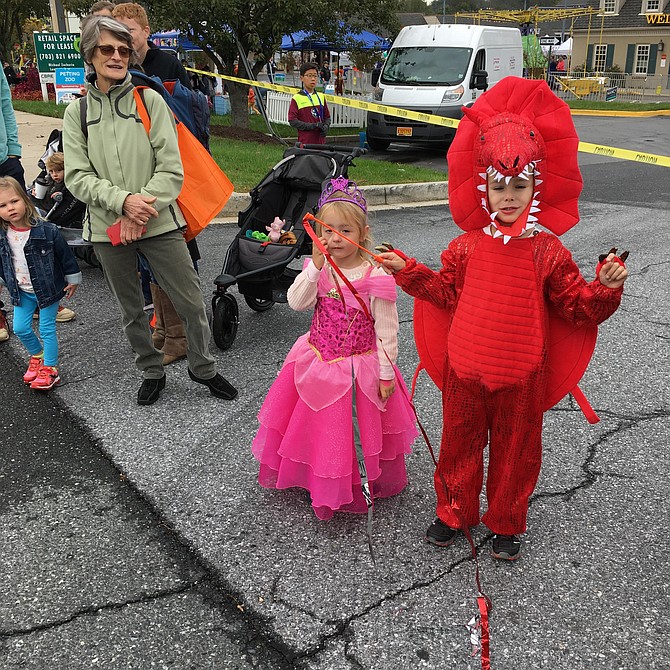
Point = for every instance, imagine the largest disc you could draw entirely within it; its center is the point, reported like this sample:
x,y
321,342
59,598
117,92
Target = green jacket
x,y
118,158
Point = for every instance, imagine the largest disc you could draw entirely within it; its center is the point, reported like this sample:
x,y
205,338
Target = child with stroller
x,y
58,204
339,381
60,207
38,269
503,289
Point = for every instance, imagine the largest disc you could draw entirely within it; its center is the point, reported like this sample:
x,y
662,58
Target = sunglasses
x,y
108,50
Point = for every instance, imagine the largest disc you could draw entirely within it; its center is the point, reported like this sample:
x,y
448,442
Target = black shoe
x,y
506,547
217,386
150,391
440,534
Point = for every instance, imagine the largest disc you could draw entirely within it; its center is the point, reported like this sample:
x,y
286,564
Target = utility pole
x,y
58,24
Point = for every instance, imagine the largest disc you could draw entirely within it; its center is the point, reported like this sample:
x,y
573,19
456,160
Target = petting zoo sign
x,y
56,50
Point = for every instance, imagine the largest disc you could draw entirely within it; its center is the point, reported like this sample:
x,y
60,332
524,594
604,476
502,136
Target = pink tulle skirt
x,y
314,449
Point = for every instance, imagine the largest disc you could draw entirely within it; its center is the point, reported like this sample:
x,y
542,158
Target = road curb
x,y
388,194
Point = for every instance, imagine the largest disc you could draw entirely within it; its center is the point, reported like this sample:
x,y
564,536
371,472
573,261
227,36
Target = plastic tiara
x,y
348,190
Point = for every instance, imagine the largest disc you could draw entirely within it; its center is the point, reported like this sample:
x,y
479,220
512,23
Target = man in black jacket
x,y
153,61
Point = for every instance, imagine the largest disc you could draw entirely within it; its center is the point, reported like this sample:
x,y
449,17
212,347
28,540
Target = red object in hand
x,y
114,233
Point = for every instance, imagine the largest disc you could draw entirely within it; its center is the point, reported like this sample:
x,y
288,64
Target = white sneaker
x,y
65,314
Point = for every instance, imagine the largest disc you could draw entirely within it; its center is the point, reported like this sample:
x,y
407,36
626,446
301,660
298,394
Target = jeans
x,y
12,168
23,328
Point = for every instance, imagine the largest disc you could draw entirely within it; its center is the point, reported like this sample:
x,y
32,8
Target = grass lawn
x,y
246,163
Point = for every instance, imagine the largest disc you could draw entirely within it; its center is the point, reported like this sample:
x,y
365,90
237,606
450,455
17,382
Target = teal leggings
x,y
23,328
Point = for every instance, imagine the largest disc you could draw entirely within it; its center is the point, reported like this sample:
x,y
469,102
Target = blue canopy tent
x,y
304,41
175,40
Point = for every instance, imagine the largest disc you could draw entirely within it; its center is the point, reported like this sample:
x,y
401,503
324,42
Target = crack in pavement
x,y
342,626
95,609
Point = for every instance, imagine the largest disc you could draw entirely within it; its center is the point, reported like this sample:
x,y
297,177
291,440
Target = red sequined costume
x,y
499,297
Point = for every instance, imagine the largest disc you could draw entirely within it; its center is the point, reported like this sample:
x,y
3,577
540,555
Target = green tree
x,y
13,15
232,30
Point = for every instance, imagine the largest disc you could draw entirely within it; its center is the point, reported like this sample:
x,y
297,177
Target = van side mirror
x,y
479,80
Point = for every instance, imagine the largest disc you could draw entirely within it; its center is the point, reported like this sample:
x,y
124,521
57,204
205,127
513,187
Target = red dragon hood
x,y
517,128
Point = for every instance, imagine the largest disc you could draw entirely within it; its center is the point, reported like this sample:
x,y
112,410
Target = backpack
x,y
206,187
190,106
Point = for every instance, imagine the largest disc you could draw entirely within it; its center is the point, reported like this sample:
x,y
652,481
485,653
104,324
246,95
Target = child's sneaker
x,y
440,534
4,326
62,315
65,314
506,547
33,370
46,379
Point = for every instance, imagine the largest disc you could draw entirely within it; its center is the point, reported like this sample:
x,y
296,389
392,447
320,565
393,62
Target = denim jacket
x,y
51,264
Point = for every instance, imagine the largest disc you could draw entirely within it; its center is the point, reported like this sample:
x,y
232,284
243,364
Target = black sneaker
x,y
440,534
150,391
506,547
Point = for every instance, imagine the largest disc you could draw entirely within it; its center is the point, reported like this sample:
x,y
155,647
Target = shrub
x,y
30,89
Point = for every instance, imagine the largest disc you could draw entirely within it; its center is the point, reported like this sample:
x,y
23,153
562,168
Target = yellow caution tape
x,y
585,147
345,102
625,154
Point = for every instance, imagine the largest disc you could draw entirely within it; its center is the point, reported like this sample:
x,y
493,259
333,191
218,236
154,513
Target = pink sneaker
x,y
33,370
46,379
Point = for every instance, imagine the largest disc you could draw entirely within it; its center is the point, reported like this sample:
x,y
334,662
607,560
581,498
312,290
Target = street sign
x,y
549,41
56,50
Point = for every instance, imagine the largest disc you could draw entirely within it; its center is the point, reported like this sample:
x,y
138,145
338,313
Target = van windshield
x,y
426,66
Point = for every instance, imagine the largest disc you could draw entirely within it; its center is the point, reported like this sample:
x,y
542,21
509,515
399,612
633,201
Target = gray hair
x,y
92,26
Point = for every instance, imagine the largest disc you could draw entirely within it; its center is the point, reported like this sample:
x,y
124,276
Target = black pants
x,y
12,168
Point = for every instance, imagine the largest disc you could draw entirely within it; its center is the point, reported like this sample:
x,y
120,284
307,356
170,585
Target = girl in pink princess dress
x,y
337,420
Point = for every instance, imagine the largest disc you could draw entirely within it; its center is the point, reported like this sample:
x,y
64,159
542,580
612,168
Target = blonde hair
x,y
31,215
351,213
56,161
131,10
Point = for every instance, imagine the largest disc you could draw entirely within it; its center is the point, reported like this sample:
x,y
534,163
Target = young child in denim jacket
x,y
38,269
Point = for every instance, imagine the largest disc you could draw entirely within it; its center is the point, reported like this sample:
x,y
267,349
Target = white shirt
x,y
17,241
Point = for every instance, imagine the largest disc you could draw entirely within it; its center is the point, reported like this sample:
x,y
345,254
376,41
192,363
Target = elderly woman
x,y
132,179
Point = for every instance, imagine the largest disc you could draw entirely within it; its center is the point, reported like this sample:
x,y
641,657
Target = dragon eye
x,y
532,134
482,138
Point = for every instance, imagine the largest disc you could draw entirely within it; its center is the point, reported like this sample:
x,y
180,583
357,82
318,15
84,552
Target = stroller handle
x,y
355,152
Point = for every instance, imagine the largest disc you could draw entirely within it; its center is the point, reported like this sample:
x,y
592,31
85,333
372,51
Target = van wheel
x,y
378,145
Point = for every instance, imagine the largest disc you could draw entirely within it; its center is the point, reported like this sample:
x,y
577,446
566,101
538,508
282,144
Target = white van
x,y
438,69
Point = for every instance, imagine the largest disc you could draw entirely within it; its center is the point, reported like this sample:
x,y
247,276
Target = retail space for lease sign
x,y
54,51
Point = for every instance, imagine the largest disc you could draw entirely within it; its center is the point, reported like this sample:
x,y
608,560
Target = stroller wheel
x,y
259,305
91,258
225,321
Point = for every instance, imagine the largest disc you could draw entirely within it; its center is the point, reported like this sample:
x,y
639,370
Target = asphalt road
x,y
610,182
591,590
91,576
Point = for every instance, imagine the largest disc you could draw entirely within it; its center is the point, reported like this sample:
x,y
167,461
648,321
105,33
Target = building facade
x,y
630,36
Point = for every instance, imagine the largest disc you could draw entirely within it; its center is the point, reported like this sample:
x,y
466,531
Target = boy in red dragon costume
x,y
508,325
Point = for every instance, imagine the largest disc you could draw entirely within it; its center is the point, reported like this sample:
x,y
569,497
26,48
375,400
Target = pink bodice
x,y
337,332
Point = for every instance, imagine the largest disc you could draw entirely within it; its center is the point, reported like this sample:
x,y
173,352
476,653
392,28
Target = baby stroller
x,y
72,233
260,268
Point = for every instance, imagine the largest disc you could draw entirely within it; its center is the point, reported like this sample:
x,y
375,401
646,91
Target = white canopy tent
x,y
564,49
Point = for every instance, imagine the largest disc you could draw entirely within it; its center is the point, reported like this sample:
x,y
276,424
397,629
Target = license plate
x,y
403,132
